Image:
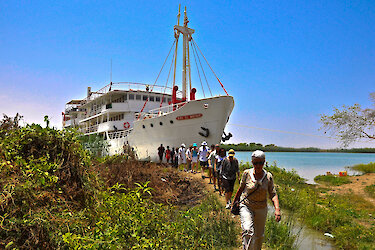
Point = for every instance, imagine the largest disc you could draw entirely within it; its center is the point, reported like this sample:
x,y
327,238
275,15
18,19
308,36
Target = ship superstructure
x,y
144,116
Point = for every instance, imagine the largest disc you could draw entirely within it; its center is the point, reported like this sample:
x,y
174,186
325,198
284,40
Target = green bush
x,y
279,235
365,168
370,190
129,220
52,197
332,179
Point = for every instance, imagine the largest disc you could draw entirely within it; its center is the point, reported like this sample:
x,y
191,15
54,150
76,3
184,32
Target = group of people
x,y
223,170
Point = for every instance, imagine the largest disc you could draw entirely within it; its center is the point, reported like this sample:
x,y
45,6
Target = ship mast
x,y
186,32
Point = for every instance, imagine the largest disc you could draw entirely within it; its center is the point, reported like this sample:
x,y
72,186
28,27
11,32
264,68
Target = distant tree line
x,y
273,148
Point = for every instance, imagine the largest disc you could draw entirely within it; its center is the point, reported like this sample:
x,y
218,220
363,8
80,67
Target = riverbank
x,y
347,217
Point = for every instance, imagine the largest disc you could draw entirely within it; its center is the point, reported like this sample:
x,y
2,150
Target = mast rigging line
x,y
198,71
166,82
144,105
209,65
204,74
200,63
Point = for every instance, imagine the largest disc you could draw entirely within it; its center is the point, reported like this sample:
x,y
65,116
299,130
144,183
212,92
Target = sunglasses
x,y
257,163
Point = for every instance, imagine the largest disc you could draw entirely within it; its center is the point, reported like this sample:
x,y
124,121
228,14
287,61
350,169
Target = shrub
x,y
280,235
332,179
370,190
365,168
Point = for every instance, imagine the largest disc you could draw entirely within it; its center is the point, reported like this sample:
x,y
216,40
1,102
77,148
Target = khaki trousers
x,y
253,222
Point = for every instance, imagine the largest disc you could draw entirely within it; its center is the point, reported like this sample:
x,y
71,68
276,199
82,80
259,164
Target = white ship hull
x,y
187,122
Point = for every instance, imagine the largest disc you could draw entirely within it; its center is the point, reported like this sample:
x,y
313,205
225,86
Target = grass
x,y
365,168
332,180
279,235
370,190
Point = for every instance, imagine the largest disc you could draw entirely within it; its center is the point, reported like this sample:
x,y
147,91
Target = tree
x,y
351,123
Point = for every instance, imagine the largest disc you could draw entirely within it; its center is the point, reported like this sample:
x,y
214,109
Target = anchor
x,y
226,137
205,133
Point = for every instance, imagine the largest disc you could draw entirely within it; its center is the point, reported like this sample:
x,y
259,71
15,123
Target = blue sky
x,y
285,62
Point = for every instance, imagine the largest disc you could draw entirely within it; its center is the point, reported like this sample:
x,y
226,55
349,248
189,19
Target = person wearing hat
x,y
203,157
182,154
254,186
229,170
194,158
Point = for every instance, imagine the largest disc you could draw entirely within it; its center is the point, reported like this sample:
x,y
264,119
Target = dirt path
x,y
210,189
357,186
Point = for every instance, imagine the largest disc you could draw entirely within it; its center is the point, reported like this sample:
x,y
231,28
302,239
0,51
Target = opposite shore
x,y
273,148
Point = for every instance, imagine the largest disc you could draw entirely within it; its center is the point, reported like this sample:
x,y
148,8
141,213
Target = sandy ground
x,y
357,186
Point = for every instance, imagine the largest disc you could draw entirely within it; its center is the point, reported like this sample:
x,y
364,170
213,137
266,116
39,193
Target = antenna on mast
x,y
176,35
111,70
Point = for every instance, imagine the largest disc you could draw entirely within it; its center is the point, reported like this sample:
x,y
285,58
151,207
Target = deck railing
x,y
119,134
90,129
132,86
161,111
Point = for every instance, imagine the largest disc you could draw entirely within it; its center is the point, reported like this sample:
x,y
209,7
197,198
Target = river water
x,y
308,165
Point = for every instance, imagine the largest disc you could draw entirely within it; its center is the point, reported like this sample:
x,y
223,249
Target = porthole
x,y
171,121
143,126
161,124
152,125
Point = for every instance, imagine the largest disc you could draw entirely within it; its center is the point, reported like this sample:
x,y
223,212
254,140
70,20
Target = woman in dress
x,y
254,186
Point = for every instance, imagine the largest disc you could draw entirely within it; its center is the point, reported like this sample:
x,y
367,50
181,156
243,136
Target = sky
x,y
284,62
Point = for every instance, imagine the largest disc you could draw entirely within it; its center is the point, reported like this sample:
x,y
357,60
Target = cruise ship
x,y
143,116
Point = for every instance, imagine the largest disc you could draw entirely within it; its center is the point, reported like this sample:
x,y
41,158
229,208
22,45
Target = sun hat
x,y
258,154
231,152
182,145
204,143
194,144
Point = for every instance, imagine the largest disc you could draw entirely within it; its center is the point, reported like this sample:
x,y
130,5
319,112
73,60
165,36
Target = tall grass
x,y
370,190
279,235
332,179
365,168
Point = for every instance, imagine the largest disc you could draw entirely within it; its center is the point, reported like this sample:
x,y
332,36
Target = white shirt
x,y
181,154
202,153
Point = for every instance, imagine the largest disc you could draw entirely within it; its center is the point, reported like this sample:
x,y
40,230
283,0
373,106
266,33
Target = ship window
x,y
161,124
151,125
169,100
138,97
158,98
131,96
171,121
145,98
143,126
151,98
163,99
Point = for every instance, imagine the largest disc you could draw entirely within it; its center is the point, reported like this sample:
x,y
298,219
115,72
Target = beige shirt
x,y
258,198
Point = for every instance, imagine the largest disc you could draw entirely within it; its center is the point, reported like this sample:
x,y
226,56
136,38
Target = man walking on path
x,y
161,150
229,170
